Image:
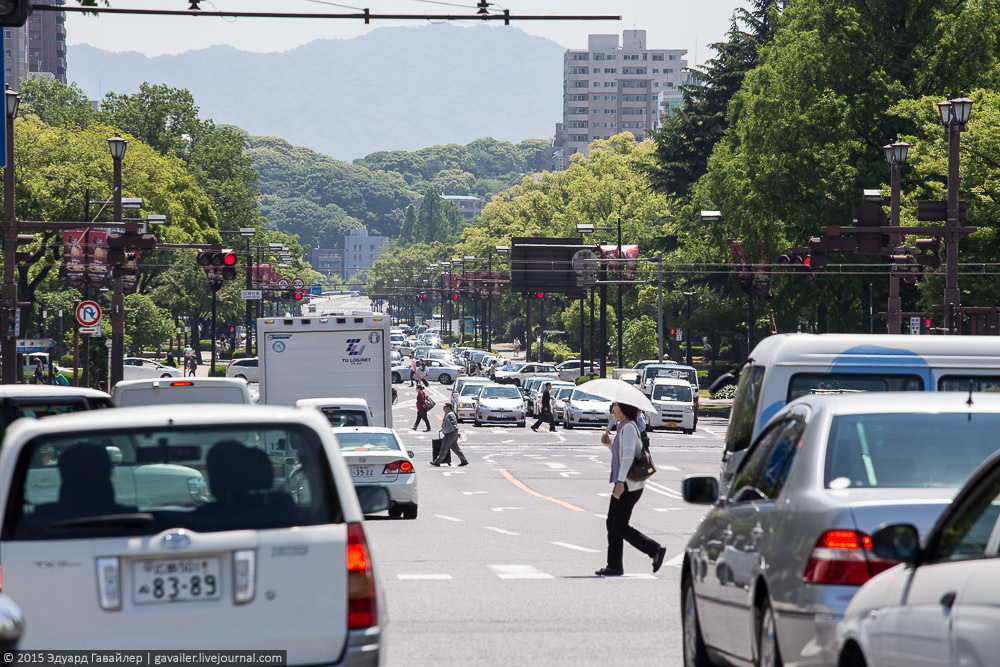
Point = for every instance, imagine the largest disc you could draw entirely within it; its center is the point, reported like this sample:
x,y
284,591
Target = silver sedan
x,y
437,371
771,569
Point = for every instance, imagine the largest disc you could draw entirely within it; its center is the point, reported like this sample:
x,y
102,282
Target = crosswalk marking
x,y
576,548
419,577
519,572
676,561
447,518
501,530
556,466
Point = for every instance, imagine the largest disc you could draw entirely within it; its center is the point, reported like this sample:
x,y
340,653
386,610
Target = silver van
x,y
191,390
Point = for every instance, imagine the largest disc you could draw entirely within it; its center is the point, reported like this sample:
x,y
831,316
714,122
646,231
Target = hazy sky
x,y
688,24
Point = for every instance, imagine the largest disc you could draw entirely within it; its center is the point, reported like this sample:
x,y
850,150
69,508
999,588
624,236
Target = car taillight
x,y
404,467
362,605
244,575
843,558
109,582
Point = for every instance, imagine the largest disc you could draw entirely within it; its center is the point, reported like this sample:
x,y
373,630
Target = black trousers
x,y
421,416
545,416
619,532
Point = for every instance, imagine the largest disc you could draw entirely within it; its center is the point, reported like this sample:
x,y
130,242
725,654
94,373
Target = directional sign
x,y
283,283
252,294
298,283
88,313
27,345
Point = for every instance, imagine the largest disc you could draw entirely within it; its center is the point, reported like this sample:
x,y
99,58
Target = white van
x,y
785,366
674,400
192,390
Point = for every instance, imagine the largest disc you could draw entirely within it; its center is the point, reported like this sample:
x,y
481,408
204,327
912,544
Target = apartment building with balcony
x,y
612,87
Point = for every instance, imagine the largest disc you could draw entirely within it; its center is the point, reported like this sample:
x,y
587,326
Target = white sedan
x,y
500,404
244,369
203,558
376,457
137,368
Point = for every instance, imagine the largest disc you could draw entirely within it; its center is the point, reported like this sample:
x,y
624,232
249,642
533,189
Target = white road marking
x,y
500,530
635,576
575,547
473,493
505,509
449,473
560,437
556,466
676,561
420,577
603,516
568,473
519,572
666,509
671,468
507,442
605,495
447,518
664,490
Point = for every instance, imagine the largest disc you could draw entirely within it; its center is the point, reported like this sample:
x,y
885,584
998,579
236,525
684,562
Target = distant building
x,y
666,103
551,157
38,49
360,251
470,206
328,261
15,57
612,87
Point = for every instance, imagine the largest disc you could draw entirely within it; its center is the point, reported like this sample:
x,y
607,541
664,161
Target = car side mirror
x,y
898,541
11,623
723,380
700,490
409,452
372,499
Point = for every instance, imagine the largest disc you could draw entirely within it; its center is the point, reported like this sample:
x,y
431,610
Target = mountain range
x,y
391,89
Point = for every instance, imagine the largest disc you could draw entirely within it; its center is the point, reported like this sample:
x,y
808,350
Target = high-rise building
x,y
15,57
612,87
360,251
46,42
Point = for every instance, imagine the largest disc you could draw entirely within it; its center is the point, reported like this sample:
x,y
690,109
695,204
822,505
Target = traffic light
x,y
800,260
14,12
903,265
539,295
454,297
214,257
297,296
930,253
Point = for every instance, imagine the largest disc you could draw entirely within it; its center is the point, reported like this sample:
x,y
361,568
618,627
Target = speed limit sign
x,y
298,283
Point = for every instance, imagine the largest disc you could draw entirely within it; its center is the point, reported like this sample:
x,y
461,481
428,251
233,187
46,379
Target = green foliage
x,y
727,392
148,325
56,103
639,340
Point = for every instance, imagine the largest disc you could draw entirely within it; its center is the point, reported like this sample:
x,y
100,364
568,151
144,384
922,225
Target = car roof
x,y
333,402
195,381
365,429
916,402
812,349
39,390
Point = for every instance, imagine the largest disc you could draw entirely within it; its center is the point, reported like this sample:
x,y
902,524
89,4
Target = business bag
x,y
436,444
429,403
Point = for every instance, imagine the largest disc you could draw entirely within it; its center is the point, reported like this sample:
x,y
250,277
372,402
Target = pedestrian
x,y
546,414
413,369
170,360
517,346
39,371
422,374
421,410
449,432
101,385
626,447
193,365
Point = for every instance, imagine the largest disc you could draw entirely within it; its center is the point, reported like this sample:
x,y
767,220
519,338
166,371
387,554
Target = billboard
x,y
545,264
75,257
97,258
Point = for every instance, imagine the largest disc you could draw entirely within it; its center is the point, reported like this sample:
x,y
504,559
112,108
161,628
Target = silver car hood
x,y
591,406
501,403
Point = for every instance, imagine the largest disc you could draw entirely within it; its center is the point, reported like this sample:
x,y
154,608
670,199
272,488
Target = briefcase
x,y
436,444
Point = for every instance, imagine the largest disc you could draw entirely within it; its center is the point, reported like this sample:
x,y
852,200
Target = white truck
x,y
327,356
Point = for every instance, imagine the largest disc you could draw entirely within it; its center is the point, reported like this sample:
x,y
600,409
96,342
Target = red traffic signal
x,y
454,297
297,296
927,323
540,295
229,259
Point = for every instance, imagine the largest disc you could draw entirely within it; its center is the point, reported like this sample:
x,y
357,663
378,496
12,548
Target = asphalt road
x,y
498,567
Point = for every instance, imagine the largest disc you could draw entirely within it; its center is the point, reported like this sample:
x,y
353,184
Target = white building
x,y
360,251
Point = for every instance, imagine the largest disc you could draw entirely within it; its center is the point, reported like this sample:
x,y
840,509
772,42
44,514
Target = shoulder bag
x,y
642,467
429,403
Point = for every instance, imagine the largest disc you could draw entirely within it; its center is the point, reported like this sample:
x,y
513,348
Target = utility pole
x,y
659,306
895,155
8,296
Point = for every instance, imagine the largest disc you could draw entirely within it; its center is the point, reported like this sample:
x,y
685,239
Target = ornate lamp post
x,y
954,115
895,157
8,351
116,371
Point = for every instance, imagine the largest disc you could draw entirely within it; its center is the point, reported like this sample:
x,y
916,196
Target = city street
x,y
498,567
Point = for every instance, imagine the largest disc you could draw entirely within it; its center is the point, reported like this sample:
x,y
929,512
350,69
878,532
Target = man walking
x,y
421,409
449,429
546,414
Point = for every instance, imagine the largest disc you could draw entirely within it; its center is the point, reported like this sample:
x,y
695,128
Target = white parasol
x,y
619,392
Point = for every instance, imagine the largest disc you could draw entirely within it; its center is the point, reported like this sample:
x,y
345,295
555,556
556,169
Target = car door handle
x,y
948,599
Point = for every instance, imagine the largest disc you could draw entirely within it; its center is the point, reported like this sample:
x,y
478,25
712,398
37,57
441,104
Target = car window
x,y
779,460
501,392
987,383
38,409
744,410
803,384
339,417
584,396
969,530
132,362
565,392
905,450
472,389
670,392
747,483
369,442
122,482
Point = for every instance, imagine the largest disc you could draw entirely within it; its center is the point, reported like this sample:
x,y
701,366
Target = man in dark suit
x,y
546,414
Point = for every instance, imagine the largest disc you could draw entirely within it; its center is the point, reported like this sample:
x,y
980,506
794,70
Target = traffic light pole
x,y
116,370
8,351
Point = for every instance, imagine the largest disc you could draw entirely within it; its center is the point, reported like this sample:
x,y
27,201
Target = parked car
x,y
654,372
560,395
468,398
569,371
500,404
421,351
504,372
375,456
674,401
437,371
641,365
770,571
530,369
528,391
203,562
192,390
36,401
244,369
341,412
939,607
137,368
583,409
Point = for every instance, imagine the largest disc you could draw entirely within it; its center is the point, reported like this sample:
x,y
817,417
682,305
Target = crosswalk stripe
x,y
447,518
575,547
500,530
519,572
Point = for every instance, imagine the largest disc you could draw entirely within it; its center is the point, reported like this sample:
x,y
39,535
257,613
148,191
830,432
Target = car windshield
x,y
672,392
501,392
472,389
113,483
512,367
584,396
370,442
340,417
687,374
36,409
905,450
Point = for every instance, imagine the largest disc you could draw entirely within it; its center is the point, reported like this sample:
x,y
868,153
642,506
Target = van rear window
x,y
987,383
803,384
172,395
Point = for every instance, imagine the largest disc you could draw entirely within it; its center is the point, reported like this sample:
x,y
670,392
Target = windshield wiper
x,y
131,519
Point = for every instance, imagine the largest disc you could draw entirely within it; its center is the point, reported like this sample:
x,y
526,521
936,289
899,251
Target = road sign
x,y
252,294
94,330
27,345
914,326
680,335
88,313
283,283
298,283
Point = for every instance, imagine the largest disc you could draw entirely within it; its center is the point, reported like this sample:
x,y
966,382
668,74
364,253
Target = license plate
x,y
501,414
671,424
177,580
362,471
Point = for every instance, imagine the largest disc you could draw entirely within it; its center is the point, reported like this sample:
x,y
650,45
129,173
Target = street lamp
x,y
895,157
8,351
954,115
687,332
117,146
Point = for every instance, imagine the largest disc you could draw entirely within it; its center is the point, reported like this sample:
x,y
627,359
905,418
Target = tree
x,y
406,232
162,117
149,325
55,103
639,340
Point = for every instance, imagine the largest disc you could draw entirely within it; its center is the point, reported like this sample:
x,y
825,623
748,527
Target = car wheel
x,y
409,511
568,425
396,378
768,653
851,656
522,424
166,375
687,431
444,378
695,654
395,511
